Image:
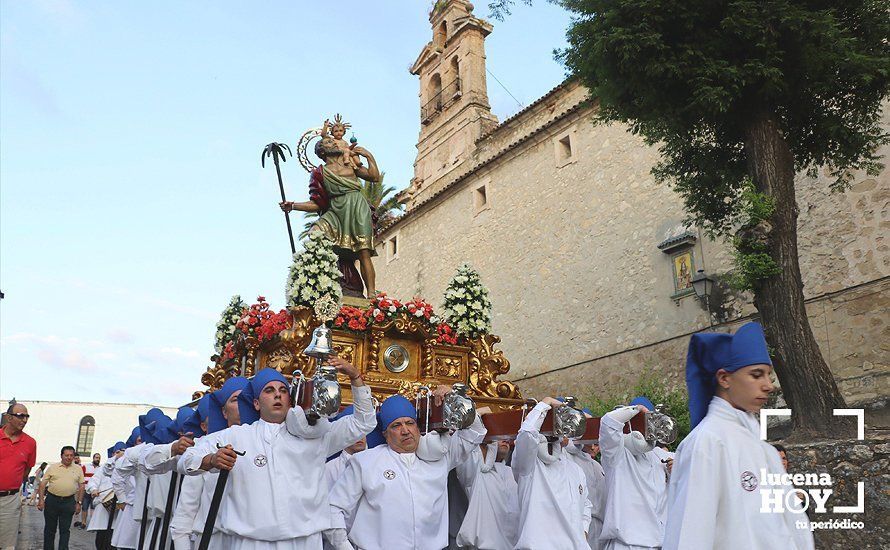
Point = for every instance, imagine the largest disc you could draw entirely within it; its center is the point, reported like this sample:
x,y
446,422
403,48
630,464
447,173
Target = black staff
x,y
171,494
144,522
276,151
214,504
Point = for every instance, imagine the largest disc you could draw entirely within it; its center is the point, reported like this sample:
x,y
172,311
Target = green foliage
x,y
651,385
690,75
750,255
502,8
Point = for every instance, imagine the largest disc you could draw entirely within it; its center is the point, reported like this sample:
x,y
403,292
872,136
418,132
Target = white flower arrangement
x,y
314,273
467,307
225,327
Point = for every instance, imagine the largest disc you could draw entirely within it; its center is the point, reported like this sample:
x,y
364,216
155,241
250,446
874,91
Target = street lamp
x,y
704,286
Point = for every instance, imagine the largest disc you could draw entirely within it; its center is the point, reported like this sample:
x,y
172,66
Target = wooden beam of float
x,y
395,357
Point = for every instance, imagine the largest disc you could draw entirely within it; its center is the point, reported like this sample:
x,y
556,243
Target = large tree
x,y
739,96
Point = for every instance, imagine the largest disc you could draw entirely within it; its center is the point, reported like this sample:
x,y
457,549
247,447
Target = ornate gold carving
x,y
438,362
486,363
346,352
373,350
302,325
448,367
281,359
251,344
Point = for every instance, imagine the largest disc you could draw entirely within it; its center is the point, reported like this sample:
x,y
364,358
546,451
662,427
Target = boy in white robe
x,y
554,508
492,518
636,485
583,456
160,462
398,500
129,483
99,487
714,495
277,495
334,467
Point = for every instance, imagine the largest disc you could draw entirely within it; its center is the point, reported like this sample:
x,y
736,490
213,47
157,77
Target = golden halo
x,y
303,148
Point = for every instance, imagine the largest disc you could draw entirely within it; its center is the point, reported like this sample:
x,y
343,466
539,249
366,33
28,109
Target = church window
x,y
564,151
85,435
455,70
441,35
480,198
392,248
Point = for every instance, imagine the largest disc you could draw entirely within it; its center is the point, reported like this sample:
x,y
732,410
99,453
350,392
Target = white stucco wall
x,y
54,424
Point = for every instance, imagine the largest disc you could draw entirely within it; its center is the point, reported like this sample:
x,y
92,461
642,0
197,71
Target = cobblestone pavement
x,y
31,533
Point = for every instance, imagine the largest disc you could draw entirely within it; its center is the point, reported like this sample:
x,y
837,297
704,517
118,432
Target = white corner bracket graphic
x,y
860,420
860,502
766,413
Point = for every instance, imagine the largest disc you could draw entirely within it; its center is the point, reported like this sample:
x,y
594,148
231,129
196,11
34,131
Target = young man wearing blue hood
x,y
714,499
277,496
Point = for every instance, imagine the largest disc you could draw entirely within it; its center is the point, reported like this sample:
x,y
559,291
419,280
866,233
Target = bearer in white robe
x,y
715,490
334,467
635,482
100,487
217,410
397,499
583,456
129,483
554,508
492,518
160,461
277,496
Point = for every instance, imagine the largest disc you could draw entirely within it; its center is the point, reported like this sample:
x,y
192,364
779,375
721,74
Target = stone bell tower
x,y
454,108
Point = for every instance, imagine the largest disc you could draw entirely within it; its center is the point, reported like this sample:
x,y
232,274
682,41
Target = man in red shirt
x,y
18,453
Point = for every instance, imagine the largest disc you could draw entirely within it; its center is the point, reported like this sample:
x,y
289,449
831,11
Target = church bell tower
x,y
454,108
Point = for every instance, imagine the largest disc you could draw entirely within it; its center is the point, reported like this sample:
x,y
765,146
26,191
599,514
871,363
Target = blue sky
x,y
132,201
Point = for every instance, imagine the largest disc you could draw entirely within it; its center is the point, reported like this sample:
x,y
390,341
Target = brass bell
x,y
320,346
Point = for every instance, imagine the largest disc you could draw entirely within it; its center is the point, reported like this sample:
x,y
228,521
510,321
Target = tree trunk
x,y
807,383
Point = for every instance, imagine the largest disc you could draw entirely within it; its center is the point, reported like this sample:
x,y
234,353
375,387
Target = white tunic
x,y
128,482
101,483
554,510
397,501
333,469
636,490
190,510
596,491
492,518
185,515
710,506
277,492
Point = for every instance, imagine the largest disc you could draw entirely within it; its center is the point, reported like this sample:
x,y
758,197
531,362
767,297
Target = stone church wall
x,y
568,248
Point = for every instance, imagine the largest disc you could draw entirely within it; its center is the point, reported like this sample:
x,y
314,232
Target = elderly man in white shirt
x,y
277,496
397,499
